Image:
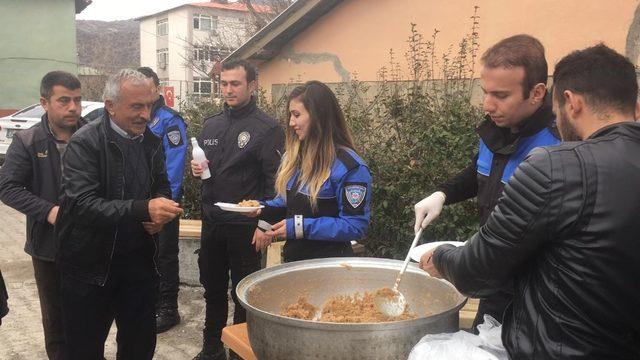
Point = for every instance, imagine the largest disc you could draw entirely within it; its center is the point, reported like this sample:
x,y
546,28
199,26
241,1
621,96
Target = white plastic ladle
x,y
394,305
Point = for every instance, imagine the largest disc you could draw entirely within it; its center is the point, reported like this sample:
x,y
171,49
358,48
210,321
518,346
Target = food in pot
x,y
249,203
301,309
356,308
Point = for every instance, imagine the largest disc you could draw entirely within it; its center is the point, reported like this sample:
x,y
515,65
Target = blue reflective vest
x,y
168,125
344,203
485,157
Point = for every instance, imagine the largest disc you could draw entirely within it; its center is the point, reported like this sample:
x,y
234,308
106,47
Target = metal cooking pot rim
x,y
245,285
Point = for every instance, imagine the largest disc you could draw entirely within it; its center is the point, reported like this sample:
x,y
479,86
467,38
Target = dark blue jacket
x,y
168,125
343,205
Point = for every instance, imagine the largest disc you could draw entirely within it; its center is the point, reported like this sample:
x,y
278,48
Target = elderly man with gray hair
x,y
115,199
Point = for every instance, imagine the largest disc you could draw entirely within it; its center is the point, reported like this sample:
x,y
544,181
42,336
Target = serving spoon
x,y
393,304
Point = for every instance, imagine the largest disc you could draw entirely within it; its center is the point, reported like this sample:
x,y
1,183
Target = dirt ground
x,y
21,335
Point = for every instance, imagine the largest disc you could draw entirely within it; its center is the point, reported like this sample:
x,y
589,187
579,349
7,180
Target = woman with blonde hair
x,y
323,187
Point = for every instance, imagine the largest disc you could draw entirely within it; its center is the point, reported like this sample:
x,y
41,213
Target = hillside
x,y
108,45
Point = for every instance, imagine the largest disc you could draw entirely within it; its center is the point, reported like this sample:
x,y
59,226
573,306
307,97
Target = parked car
x,y
31,115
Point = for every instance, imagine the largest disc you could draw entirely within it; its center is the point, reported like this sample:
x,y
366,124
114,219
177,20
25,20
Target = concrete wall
x,y
148,43
355,37
36,36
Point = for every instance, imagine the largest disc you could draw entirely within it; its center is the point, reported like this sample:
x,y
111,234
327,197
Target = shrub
x,y
194,114
414,135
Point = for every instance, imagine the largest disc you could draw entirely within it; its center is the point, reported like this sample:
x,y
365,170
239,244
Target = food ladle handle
x,y
406,260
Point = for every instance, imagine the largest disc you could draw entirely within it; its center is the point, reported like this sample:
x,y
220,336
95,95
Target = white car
x,y
32,115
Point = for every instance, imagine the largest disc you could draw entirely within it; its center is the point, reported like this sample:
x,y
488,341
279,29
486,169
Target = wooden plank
x,y
274,253
190,228
468,313
236,337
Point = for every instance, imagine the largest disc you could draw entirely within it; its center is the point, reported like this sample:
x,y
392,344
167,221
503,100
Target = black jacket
x,y
30,183
565,232
92,203
243,147
502,143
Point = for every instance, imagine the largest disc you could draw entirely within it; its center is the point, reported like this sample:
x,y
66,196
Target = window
x,y
162,27
163,58
201,86
204,53
205,22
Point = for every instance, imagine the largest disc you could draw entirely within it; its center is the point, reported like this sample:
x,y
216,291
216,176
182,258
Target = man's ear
x,y
108,104
44,103
537,93
253,85
637,115
575,103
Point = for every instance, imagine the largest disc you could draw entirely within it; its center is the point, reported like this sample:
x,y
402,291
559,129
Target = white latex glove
x,y
428,209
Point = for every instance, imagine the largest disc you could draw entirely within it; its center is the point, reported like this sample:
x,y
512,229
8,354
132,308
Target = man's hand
x,y
151,227
163,210
196,168
260,240
428,209
426,264
278,230
53,215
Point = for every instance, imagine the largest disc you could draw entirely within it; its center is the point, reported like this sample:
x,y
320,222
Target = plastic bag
x,y
487,345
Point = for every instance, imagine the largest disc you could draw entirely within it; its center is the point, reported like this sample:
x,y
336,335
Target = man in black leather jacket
x,y
565,231
30,183
116,198
4,309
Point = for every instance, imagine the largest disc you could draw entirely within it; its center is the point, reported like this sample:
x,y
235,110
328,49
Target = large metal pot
x,y
274,337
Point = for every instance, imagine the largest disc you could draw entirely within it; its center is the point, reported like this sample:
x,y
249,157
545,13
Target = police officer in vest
x,y
518,118
243,146
323,186
168,125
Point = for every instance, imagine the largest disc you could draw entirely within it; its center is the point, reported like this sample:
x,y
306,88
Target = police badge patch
x,y
174,136
243,139
354,195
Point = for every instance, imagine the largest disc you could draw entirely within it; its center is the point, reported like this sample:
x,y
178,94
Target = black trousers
x,y
47,278
224,249
129,296
168,265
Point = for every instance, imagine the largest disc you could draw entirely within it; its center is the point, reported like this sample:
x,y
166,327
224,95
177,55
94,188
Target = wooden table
x,y
236,338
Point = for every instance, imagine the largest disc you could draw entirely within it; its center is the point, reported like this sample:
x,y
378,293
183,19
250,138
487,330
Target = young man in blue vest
x,y
168,125
519,117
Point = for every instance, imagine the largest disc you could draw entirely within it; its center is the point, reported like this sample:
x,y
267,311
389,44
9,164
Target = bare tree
x,y
260,19
203,55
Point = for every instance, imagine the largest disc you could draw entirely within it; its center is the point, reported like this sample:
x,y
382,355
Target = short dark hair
x,y
519,50
606,79
250,69
61,78
149,73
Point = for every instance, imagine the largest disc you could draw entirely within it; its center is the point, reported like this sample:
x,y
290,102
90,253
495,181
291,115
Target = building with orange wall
x,y
331,40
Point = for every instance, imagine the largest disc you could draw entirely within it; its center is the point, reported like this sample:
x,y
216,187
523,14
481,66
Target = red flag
x,y
168,95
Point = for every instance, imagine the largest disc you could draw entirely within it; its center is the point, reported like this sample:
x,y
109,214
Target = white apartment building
x,y
183,43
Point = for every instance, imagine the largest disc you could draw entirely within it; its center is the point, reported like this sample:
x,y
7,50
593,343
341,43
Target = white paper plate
x,y
417,252
237,208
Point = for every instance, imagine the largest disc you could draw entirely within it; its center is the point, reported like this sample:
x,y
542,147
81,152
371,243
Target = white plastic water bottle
x,y
201,158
